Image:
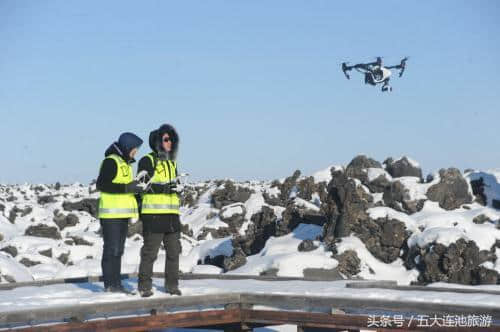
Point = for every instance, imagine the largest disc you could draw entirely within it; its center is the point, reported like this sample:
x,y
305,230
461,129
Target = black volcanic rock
x,y
285,190
307,245
42,230
262,227
230,194
349,263
89,205
10,250
478,191
357,167
457,263
402,167
397,197
452,190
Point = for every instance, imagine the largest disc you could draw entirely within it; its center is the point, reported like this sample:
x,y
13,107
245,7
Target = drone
x,y
375,72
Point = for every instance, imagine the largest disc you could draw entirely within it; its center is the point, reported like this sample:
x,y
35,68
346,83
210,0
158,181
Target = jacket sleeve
x,y
145,164
105,180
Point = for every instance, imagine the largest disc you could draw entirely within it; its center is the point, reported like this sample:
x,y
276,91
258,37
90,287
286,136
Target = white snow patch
x,y
374,269
282,253
325,175
374,173
387,212
210,248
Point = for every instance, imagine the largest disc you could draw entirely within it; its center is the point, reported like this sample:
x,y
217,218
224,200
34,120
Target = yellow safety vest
x,y
113,206
165,171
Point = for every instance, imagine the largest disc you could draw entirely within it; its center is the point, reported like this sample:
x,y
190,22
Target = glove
x,y
170,188
135,187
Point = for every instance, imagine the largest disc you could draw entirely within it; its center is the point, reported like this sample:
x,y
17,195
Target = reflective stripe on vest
x,y
118,206
165,171
108,211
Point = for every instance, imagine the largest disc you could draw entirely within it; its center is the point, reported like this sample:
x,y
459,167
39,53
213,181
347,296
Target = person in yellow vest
x,y
160,211
117,204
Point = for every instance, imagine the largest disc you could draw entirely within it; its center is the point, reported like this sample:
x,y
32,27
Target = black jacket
x,y
159,223
108,172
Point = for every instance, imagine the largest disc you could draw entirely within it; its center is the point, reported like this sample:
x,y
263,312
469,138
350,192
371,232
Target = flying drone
x,y
375,72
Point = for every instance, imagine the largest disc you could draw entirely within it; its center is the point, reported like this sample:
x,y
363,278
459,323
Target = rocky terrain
x,y
366,219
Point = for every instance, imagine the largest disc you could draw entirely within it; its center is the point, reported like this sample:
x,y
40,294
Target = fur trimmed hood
x,y
156,144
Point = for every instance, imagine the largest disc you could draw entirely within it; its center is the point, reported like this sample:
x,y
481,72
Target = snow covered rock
x,y
284,190
233,215
378,180
345,207
297,213
263,226
307,245
452,191
457,263
358,166
62,221
398,197
43,230
89,205
349,263
229,194
228,263
478,190
403,166
10,250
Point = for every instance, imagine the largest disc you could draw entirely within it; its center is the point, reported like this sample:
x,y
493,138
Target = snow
x,y
26,298
410,161
232,209
305,204
494,266
282,253
196,217
206,248
374,173
445,227
207,269
254,204
430,225
491,180
387,212
10,268
325,175
374,269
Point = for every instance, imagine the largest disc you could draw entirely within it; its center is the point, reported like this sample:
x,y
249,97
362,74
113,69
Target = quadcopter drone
x,y
375,72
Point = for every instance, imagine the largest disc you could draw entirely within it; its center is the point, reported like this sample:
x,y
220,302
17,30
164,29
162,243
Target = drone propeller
x,y
403,66
345,68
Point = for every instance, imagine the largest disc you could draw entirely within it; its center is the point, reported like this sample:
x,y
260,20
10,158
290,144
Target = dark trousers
x,y
149,252
114,233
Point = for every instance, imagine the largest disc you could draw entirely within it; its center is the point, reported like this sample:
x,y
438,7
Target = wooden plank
x,y
354,322
371,284
242,319
141,305
384,285
364,305
184,319
185,276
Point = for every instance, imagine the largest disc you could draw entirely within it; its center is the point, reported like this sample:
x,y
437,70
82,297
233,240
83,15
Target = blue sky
x,y
253,87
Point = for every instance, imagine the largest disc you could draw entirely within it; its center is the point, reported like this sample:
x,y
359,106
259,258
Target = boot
x,y
146,293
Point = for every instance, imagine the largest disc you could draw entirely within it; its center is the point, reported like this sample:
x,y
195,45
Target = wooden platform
x,y
242,311
245,311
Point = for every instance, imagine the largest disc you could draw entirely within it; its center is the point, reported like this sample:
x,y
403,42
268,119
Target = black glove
x,y
134,187
170,188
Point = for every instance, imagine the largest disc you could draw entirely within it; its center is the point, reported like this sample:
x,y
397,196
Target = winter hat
x,y
128,141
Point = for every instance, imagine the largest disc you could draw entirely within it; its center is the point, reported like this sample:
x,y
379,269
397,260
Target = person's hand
x,y
135,187
169,187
